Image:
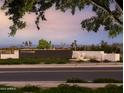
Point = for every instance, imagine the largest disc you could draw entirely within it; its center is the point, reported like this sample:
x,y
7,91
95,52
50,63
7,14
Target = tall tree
x,y
26,43
74,45
30,43
110,19
44,44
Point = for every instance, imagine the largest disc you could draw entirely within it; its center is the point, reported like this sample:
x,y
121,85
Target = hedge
x,y
62,89
34,61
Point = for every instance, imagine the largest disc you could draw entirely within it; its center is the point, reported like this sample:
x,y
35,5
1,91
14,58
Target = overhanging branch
x,y
107,11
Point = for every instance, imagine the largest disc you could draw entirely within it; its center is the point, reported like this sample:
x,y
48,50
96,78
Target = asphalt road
x,y
59,74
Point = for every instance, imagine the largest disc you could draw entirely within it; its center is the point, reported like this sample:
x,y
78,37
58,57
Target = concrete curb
x,y
64,65
49,84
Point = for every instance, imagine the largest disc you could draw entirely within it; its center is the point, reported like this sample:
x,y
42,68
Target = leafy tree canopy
x,y
44,44
110,19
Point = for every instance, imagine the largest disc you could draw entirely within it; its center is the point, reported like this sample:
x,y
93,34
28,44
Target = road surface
x,y
60,74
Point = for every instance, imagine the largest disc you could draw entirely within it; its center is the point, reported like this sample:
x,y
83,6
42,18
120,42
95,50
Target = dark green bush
x,y
9,89
93,60
10,61
32,89
99,80
106,61
34,61
30,61
110,89
55,61
107,80
68,89
64,88
76,80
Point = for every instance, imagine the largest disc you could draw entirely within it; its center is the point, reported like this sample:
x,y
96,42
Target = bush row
x,y
99,80
63,88
34,61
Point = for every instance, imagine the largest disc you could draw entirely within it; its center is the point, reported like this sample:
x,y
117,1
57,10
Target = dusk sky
x,y
59,28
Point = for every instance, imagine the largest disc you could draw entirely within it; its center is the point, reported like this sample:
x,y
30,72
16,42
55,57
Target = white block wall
x,y
112,57
13,56
98,55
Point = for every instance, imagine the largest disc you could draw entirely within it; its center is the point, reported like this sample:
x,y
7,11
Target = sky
x,y
59,28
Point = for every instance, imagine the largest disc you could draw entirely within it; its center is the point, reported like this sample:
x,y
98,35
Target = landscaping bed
x,y
63,88
34,61
99,80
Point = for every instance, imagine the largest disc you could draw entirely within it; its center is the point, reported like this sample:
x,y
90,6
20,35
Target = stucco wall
x,y
98,55
13,56
112,57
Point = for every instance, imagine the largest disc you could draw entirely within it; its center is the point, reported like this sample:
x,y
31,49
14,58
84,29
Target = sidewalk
x,y
63,65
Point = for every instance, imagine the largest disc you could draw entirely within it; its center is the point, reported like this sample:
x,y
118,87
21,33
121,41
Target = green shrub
x,y
31,89
55,61
34,61
63,85
106,61
10,61
64,88
9,89
99,80
93,60
121,59
76,80
68,89
29,61
81,61
107,80
110,89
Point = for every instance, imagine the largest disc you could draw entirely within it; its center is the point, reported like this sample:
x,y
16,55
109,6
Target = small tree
x,y
30,43
74,45
44,44
26,43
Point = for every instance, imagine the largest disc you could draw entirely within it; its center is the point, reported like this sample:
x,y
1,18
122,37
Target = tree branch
x,y
107,11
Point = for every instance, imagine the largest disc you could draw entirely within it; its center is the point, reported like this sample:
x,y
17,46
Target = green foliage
x,y
103,46
106,60
75,80
121,59
93,60
107,80
34,61
110,89
10,61
110,19
63,88
16,11
68,89
28,89
74,45
56,61
99,80
27,44
44,44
